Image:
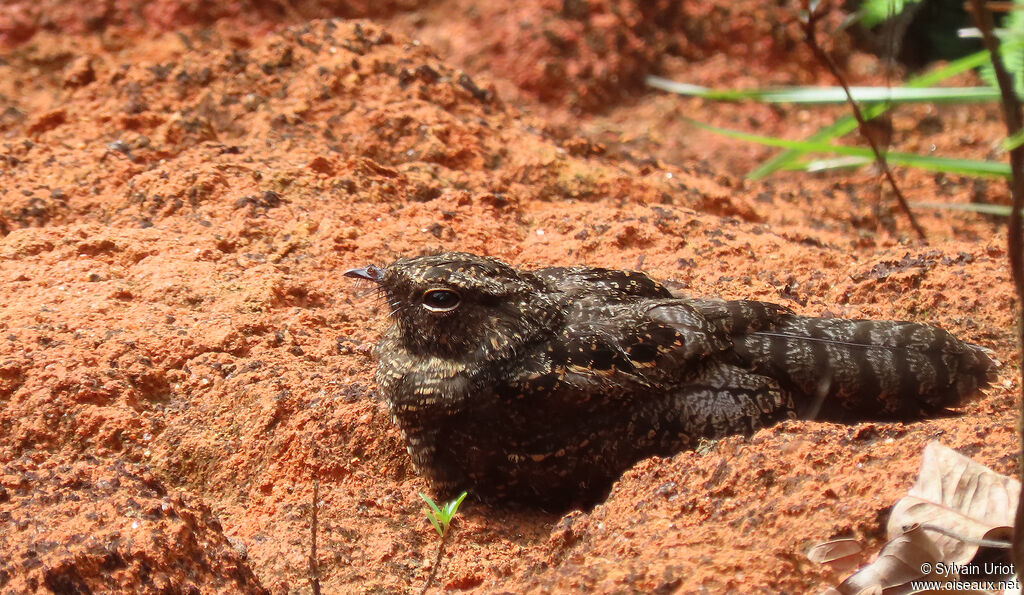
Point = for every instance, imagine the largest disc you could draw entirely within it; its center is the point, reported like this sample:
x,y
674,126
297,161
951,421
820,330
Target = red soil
x,y
180,357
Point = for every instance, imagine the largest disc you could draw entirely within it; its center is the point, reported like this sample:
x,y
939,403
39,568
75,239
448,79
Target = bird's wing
x,y
739,317
625,345
592,281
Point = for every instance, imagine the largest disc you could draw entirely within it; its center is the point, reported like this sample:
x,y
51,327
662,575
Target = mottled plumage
x,y
544,386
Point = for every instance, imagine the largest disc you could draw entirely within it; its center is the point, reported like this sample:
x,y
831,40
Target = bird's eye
x,y
441,300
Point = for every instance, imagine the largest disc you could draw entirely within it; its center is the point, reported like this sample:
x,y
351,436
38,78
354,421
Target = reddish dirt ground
x,y
180,358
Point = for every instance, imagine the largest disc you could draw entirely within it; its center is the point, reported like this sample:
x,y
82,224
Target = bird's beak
x,y
370,273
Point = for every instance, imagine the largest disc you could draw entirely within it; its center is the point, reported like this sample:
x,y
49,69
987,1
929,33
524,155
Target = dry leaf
x,y
959,495
908,557
841,555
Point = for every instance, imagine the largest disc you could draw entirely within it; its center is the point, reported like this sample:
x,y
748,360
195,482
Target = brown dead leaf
x,y
908,557
841,555
959,495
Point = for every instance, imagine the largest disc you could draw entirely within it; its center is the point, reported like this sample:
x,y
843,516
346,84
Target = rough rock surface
x,y
180,357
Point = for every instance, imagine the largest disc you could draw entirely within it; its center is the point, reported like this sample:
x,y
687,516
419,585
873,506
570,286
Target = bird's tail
x,y
865,369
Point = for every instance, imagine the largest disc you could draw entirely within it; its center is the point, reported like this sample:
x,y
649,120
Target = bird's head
x,y
455,304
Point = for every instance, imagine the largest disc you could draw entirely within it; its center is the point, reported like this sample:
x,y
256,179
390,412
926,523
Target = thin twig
x,y
809,25
437,560
314,564
1014,122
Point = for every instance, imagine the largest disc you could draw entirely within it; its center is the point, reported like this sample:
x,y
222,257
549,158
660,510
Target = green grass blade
x,y
949,70
436,524
942,164
430,503
835,130
1013,141
1002,210
452,507
817,165
847,124
832,95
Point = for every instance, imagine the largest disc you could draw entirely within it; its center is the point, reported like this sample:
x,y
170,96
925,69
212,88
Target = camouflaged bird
x,y
544,386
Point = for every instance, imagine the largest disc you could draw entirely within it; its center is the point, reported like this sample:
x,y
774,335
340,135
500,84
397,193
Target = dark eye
x,y
441,300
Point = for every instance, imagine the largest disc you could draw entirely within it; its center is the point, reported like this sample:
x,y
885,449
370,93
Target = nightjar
x,y
544,386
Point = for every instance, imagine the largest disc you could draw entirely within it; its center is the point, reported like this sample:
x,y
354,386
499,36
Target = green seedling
x,y
441,517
